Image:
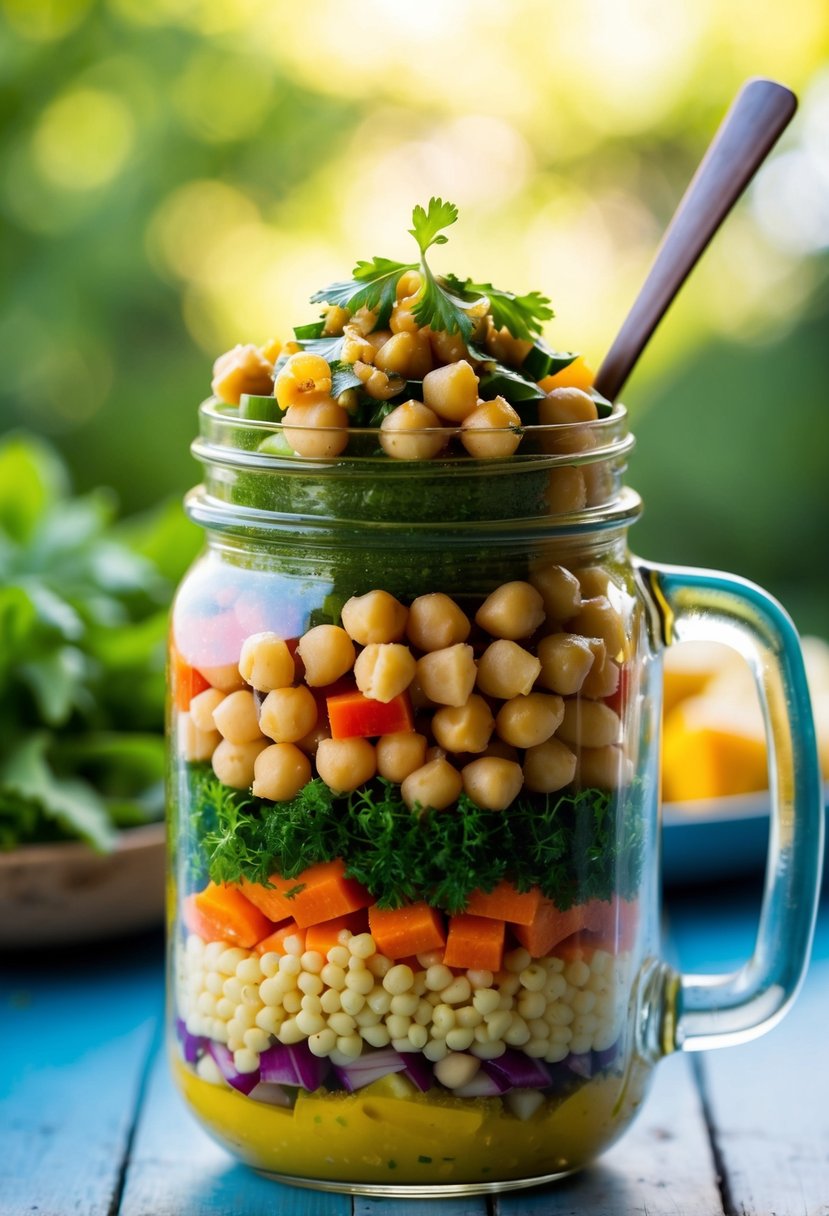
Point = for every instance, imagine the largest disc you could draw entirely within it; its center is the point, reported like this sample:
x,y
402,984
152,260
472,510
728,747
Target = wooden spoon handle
x,y
758,115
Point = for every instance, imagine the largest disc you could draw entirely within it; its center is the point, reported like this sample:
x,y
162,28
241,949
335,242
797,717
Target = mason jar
x,y
414,809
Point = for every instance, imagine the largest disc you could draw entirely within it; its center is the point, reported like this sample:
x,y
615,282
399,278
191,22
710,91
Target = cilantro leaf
x,y
521,315
439,309
373,286
427,225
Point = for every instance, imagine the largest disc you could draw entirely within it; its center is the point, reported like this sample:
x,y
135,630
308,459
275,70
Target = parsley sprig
x,y
444,302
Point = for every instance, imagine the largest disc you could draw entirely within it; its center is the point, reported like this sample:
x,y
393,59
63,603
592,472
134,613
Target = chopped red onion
x,y
369,1067
243,1081
516,1069
293,1064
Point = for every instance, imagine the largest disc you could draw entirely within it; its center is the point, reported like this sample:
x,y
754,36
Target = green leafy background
x,y
180,175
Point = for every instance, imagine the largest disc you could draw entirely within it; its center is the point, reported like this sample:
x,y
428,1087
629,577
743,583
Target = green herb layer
x,y
575,846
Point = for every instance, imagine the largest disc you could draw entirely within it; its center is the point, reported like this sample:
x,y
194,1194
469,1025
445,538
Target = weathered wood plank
x,y
175,1169
662,1167
469,1205
76,1028
770,1114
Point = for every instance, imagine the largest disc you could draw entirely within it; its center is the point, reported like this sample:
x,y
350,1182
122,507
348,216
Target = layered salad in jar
x,y
408,827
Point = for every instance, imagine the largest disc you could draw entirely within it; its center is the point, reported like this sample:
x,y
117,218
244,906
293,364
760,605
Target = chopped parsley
x,y
574,845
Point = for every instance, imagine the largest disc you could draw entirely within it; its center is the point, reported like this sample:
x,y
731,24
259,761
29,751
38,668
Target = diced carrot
x,y
228,916
317,894
576,375
355,716
275,942
475,942
400,932
323,936
550,927
613,920
503,902
185,680
193,919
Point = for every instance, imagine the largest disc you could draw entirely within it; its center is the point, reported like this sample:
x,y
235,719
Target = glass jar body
x,y
376,990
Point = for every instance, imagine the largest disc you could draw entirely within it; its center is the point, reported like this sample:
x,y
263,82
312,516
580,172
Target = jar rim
x,y
221,425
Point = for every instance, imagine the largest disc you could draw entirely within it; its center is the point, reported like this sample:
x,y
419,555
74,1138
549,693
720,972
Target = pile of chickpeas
x,y
355,998
315,424
524,707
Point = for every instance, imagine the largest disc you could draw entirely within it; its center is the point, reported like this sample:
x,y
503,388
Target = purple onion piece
x,y
243,1081
293,1064
580,1063
419,1071
369,1067
192,1045
483,1085
514,1068
604,1059
271,1094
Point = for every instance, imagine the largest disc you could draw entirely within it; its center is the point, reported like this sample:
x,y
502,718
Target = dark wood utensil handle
x,y
758,115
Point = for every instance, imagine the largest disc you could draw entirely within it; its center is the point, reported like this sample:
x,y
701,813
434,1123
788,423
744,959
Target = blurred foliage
x,y
83,621
179,175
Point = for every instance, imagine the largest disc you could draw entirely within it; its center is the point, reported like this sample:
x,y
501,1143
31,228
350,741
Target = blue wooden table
x,y
90,1124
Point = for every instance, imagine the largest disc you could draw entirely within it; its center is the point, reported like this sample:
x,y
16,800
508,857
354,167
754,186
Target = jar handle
x,y
702,1011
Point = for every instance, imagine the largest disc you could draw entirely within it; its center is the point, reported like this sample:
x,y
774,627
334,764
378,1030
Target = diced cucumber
x,y
259,409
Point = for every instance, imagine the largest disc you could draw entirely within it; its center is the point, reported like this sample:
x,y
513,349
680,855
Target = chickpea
x,y
447,348
327,652
378,338
421,362
457,1069
288,714
492,430
436,621
492,783
271,350
402,319
234,763
497,747
193,743
604,767
593,580
589,724
566,658
345,764
266,662
364,320
548,767
451,391
412,432
384,669
202,707
319,429
560,590
377,384
399,754
528,720
464,728
597,618
513,610
236,718
565,405
374,617
310,743
507,670
280,772
242,370
303,378
226,678
356,347
336,319
566,490
397,353
435,784
504,347
447,676
603,678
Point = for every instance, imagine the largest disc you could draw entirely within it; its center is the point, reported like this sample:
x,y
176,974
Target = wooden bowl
x,y
56,894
